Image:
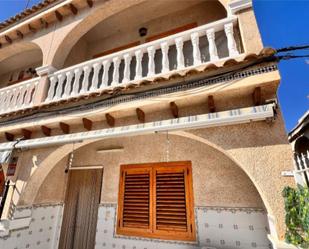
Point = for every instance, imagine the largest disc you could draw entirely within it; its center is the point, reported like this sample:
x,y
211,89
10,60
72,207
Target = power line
x,y
288,57
27,5
292,48
286,54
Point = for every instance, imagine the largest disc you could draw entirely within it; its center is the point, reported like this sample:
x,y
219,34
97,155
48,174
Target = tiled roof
x,y
27,12
212,69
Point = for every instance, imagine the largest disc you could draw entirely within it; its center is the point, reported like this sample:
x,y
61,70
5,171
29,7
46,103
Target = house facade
x,y
140,124
299,140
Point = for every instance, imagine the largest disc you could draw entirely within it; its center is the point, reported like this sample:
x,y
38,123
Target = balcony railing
x,y
185,50
19,96
172,53
301,172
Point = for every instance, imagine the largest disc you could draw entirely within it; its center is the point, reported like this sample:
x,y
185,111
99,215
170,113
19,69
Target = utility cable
x,y
99,103
27,5
292,48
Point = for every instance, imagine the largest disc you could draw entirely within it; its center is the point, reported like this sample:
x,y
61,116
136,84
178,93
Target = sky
x,y
282,23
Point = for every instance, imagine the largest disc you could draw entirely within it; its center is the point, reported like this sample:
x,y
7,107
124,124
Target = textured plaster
x,y
249,31
260,149
263,152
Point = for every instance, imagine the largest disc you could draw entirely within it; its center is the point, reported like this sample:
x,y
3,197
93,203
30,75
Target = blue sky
x,y
282,23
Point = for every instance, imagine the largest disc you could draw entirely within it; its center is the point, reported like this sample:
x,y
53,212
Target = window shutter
x,y
156,200
135,192
136,200
171,201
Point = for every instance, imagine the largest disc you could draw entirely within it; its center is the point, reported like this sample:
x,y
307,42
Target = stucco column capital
x,y
238,5
45,70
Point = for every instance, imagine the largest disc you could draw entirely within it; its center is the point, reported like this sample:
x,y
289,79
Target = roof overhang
x,y
230,117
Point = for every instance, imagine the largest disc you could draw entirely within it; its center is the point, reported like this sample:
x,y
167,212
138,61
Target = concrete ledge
x,y
238,5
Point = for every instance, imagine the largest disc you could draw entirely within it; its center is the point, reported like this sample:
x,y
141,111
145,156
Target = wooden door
x,y
81,209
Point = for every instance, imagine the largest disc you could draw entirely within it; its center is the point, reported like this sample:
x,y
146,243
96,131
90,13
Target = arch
x,y
30,192
205,141
301,145
18,62
101,14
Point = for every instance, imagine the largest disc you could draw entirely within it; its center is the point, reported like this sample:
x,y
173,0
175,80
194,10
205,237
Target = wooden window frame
x,y
152,232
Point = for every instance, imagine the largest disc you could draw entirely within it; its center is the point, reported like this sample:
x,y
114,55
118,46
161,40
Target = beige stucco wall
x,y
12,66
217,180
264,152
249,31
219,155
259,149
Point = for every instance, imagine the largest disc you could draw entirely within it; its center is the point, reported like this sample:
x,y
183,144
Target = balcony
x,y
186,50
17,97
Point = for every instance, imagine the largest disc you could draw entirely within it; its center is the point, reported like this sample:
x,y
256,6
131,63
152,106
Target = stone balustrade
x,y
172,53
19,96
301,173
183,50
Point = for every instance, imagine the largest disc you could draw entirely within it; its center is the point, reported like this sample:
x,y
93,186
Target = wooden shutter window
x,y
136,200
156,200
170,201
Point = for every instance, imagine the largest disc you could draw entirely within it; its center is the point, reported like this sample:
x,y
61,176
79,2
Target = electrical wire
x,y
100,103
292,48
291,56
27,5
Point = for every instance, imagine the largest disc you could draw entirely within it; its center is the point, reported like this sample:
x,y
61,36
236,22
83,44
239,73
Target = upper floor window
x,y
156,201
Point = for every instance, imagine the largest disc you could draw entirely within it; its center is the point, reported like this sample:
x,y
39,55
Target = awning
x,y
230,117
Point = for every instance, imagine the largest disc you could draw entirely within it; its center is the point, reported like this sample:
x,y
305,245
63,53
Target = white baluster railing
x,y
107,71
301,172
19,96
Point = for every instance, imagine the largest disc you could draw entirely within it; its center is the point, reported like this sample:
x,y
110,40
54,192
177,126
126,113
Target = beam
x,y
19,34
64,127
58,16
73,9
257,96
174,109
229,117
9,136
110,120
26,133
8,39
90,3
46,131
140,115
31,28
211,104
44,23
87,124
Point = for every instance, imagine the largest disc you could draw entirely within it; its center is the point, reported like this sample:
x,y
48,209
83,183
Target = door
x,y
81,209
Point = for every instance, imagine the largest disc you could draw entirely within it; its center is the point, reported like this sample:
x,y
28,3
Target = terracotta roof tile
x,y
27,12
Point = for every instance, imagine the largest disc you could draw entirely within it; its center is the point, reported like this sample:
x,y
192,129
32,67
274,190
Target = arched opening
x,y
142,23
223,193
302,145
19,62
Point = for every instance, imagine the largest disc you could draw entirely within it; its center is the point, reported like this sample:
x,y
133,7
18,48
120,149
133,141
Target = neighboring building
x,y
299,139
140,124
